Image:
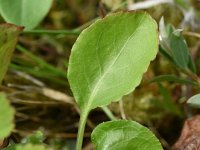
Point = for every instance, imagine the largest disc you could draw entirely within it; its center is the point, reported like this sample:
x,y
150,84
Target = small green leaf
x,y
36,138
174,47
173,78
194,101
28,13
180,51
6,117
109,58
8,39
124,135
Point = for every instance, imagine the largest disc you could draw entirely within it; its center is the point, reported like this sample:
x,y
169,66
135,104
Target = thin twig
x,y
27,117
32,102
147,4
29,78
194,34
57,95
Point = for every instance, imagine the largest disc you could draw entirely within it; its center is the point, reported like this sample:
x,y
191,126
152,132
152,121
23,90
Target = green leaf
x,y
28,13
194,101
124,135
6,117
109,58
174,47
180,50
191,65
166,55
36,138
173,78
8,39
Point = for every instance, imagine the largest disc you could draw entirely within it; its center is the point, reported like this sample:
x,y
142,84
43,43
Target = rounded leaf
x,y
28,13
6,117
124,135
194,101
109,58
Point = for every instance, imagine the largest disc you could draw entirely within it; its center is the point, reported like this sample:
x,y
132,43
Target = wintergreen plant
x,y
107,61
174,48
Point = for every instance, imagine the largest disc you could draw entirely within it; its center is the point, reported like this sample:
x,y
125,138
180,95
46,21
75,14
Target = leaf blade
x,y
20,12
179,49
194,101
174,47
6,117
96,68
126,135
173,78
8,39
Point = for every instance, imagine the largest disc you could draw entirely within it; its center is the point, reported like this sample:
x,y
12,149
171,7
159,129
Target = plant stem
x,y
81,129
194,34
108,113
42,31
192,75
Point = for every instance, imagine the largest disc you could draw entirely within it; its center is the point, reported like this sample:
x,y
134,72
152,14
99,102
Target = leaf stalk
x,y
81,129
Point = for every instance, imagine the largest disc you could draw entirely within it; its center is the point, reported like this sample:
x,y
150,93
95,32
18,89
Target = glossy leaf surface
x,y
194,101
28,13
124,135
8,39
6,117
109,58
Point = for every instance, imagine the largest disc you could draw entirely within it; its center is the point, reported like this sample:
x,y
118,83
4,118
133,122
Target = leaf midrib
x,y
92,95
